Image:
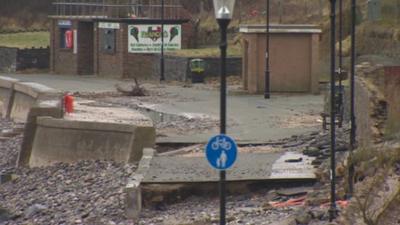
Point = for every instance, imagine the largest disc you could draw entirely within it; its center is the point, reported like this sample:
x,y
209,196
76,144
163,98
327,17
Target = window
x,y
108,41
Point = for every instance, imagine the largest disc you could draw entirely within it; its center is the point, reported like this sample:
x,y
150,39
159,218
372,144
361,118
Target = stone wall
x,y
14,59
8,59
33,58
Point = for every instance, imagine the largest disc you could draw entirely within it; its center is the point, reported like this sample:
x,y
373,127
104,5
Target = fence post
x,y
280,10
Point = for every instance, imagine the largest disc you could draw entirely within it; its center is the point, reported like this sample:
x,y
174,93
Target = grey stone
x,y
312,151
5,177
303,218
34,209
318,214
5,215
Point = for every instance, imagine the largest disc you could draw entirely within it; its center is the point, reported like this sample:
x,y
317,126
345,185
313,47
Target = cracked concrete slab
x,y
249,167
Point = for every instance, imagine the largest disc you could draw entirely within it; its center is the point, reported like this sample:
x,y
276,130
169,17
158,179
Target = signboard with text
x,y
104,25
147,38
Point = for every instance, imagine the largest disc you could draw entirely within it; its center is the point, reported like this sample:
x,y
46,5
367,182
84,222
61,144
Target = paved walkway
x,y
249,167
251,118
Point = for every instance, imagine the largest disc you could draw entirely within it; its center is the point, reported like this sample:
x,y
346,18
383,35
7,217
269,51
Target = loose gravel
x,y
9,146
91,192
88,192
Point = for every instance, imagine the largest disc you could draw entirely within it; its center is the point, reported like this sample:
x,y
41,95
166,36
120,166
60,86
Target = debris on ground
x,y
132,90
291,202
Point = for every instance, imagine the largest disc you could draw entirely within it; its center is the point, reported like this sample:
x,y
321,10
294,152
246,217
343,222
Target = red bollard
x,y
69,103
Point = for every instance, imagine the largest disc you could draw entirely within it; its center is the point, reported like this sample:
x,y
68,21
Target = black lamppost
x,y
340,71
223,14
267,94
162,64
332,208
352,96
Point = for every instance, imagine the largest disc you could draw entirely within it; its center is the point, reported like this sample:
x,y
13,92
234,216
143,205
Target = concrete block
x,y
143,137
28,95
6,95
51,109
58,140
144,164
34,90
133,201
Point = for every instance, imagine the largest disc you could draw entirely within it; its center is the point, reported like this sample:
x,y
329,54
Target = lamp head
x,y
224,9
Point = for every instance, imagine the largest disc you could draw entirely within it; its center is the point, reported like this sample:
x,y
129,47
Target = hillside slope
x,y
19,15
23,15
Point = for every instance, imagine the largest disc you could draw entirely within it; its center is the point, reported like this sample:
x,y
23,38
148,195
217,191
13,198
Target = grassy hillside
x,y
25,40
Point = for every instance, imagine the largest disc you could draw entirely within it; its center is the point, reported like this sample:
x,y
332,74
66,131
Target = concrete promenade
x,y
251,118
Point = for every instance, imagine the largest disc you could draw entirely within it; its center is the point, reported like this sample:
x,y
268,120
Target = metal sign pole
x,y
267,93
223,23
352,96
162,78
332,209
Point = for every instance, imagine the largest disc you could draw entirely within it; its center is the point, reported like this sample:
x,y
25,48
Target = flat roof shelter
x,y
294,58
114,38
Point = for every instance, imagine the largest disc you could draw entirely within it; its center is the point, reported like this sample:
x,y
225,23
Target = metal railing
x,y
119,9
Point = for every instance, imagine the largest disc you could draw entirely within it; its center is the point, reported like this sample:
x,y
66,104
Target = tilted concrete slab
x,y
59,140
249,167
35,90
28,95
6,95
46,108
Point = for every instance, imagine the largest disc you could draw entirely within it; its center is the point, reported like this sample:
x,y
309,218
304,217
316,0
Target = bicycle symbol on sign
x,y
221,144
221,152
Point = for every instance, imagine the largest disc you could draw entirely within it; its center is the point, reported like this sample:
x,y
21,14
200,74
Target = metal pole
x,y
162,78
352,96
332,209
267,94
223,24
340,72
340,41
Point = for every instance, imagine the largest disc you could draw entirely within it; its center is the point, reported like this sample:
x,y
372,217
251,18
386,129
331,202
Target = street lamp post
x,y
162,63
340,71
333,209
267,94
352,96
223,13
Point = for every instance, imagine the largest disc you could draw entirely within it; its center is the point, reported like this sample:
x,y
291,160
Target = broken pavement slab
x,y
133,200
249,167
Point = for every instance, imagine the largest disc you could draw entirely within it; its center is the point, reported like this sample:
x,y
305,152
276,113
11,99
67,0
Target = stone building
x,y
114,38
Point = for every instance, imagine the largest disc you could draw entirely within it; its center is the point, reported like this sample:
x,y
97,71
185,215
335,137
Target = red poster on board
x,y
69,39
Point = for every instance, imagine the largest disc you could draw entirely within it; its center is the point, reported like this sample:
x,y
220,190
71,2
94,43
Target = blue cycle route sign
x,y
221,152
